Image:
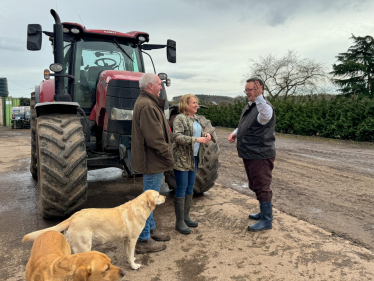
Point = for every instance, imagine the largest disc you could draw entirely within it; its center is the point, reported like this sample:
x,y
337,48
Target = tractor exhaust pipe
x,y
58,51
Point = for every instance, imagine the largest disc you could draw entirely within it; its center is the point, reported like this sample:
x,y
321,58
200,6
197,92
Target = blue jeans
x,y
185,181
150,181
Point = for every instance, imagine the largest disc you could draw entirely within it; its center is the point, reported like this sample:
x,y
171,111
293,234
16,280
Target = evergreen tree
x,y
24,101
355,69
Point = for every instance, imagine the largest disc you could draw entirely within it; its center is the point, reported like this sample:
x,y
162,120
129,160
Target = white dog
x,y
103,225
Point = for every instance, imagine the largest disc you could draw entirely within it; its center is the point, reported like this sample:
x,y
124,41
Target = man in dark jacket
x,y
151,152
255,137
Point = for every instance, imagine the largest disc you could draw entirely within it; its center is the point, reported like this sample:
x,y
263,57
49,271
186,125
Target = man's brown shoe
x,y
149,246
159,236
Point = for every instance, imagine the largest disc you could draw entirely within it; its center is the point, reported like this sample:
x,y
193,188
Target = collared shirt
x,y
265,111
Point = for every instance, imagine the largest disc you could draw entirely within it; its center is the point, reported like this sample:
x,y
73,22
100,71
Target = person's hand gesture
x,y
207,135
257,89
202,140
232,137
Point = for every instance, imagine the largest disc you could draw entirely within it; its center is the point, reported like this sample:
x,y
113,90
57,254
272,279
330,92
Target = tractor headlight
x,y
56,67
163,76
121,114
65,30
168,82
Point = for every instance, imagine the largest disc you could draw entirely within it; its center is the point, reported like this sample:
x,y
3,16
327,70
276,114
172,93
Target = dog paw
x,y
136,266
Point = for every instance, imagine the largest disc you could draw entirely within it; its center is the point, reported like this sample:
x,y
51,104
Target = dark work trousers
x,y
259,177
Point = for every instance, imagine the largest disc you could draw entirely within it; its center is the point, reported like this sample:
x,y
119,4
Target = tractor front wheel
x,y
62,165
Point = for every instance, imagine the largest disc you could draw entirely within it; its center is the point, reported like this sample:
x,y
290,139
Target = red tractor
x,y
81,120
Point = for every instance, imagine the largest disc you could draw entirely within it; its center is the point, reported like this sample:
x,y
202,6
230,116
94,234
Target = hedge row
x,y
331,117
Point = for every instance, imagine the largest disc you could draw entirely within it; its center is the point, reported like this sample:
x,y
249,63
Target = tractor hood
x,y
109,75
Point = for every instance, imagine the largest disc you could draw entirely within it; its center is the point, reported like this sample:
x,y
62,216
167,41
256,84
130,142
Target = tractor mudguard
x,y
56,107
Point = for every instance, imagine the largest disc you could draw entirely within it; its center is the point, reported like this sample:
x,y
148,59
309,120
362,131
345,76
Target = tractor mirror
x,y
171,51
34,37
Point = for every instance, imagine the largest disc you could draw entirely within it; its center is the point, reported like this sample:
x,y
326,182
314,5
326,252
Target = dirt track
x,y
325,183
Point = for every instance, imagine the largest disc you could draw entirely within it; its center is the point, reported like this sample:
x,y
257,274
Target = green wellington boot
x,y
187,207
180,225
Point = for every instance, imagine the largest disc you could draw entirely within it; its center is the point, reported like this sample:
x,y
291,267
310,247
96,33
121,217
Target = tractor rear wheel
x,y
33,163
62,165
207,173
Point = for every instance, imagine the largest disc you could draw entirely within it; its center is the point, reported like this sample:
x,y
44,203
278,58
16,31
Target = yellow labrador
x,y
51,259
103,225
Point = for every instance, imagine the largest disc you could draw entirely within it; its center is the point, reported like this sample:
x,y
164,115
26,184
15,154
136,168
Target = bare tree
x,y
288,75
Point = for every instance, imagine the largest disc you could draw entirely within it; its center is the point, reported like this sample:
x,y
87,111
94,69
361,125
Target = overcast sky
x,y
215,38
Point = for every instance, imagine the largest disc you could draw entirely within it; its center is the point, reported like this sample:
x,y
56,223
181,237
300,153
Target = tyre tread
x,y
63,165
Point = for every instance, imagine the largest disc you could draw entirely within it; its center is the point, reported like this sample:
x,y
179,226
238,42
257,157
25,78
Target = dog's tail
x,y
59,228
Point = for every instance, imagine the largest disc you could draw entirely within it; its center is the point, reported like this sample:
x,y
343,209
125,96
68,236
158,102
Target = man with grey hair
x,y
151,152
148,78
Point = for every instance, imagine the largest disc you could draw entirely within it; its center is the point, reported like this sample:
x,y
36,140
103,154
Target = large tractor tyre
x,y
62,165
33,163
208,172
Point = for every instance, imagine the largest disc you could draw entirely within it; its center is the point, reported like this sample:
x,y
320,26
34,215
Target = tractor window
x,y
93,57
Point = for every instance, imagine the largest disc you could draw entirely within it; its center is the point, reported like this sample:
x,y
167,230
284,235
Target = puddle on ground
x,y
107,174
313,157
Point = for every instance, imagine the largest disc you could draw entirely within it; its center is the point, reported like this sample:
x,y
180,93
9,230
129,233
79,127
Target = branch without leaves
x,y
288,75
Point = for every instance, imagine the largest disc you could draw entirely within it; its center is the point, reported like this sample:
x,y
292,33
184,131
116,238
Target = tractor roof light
x,y
168,82
65,30
142,39
47,74
56,67
75,30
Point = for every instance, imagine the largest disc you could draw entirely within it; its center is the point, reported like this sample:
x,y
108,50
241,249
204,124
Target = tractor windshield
x,y
93,57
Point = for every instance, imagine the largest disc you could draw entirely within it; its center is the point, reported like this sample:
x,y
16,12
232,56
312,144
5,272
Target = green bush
x,y
338,117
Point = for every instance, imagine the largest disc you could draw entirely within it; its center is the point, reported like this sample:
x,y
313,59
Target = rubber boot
x,y
180,225
265,221
187,207
255,217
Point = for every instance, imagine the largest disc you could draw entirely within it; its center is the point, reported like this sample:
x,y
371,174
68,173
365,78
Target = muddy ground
x,y
323,219
329,183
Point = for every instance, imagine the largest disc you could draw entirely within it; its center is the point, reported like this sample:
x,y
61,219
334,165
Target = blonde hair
x,y
183,103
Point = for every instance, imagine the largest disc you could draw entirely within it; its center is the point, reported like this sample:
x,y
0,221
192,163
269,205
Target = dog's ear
x,y
81,273
151,200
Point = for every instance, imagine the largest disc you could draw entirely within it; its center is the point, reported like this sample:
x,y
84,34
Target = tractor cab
x,y
88,53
